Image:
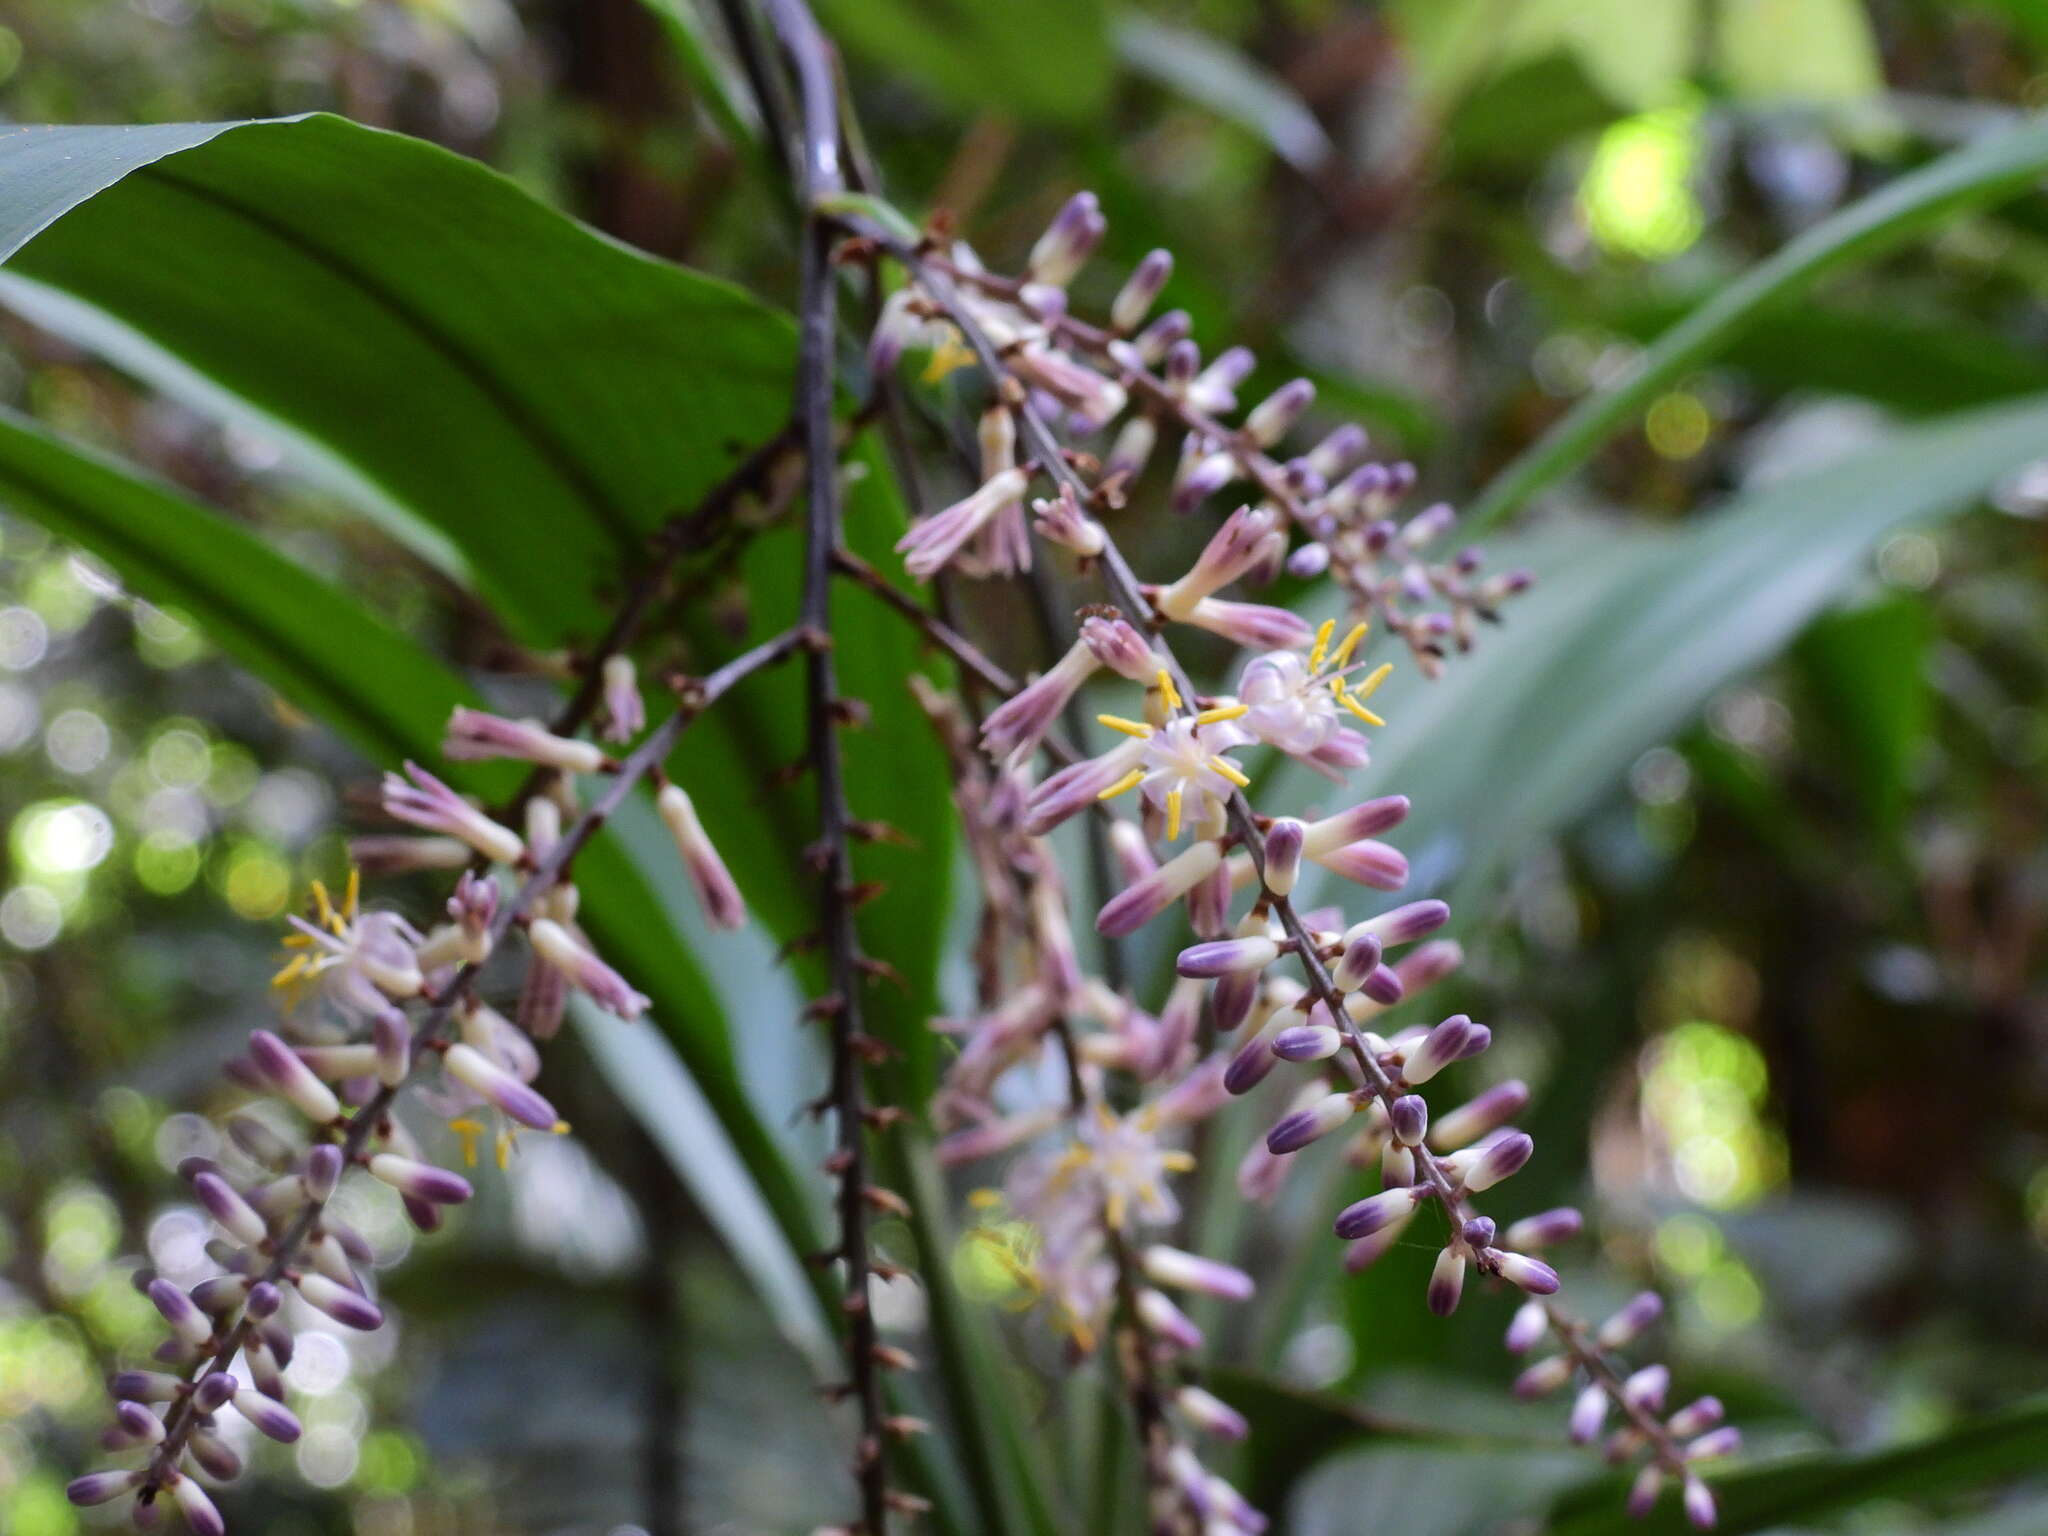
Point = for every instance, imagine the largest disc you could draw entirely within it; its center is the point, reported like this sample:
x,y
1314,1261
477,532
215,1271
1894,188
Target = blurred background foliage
x,y
1776,970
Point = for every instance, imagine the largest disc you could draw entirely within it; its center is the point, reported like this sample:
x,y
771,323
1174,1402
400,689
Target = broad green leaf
x,y
1866,675
519,398
1638,53
1977,1452
1049,60
1967,178
1796,50
1229,84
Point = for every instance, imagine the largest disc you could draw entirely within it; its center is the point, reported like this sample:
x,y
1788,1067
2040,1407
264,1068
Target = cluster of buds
x,y
396,1011
1303,693
1125,387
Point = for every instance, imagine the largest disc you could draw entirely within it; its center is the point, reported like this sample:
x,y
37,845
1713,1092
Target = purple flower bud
x,y
1210,1414
214,1456
1258,625
1545,1376
1406,924
1166,1322
1725,1441
322,1171
1450,1041
1447,1282
270,1417
1646,1388
1192,1272
1140,291
427,802
1362,1254
1475,1118
422,1181
140,1425
1376,1213
201,1518
1499,1159
1232,1000
474,736
1254,1059
1309,561
101,1487
1699,1504
588,974
1477,1232
1634,1318
1284,841
391,1036
1225,957
1135,906
1382,985
1642,1493
1529,1324
1274,417
1368,862
226,1205
292,1078
1589,1413
215,1388
143,1386
1409,1117
1695,1418
493,1083
1531,1275
350,1308
1295,1131
1368,818
386,854
625,711
1068,241
1159,338
1397,1166
264,1369
1307,1042
1360,959
191,1325
264,1300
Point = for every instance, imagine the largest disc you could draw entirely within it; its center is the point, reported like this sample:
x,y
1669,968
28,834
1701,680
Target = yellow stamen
x,y
949,354
292,971
1130,780
1172,814
1113,1209
1137,728
1177,1162
1322,648
1373,679
1350,644
323,909
296,940
467,1131
1222,712
1167,691
1229,770
984,1199
355,891
559,1128
504,1150
1359,710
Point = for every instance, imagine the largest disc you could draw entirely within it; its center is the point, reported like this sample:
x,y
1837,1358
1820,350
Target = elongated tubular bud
x,y
1699,1504
1069,240
421,1181
214,1456
1499,1159
1274,417
474,735
1646,1388
219,1294
1284,842
348,1307
144,1386
475,1071
1529,1324
1362,1253
1231,551
1376,1213
1469,1121
1366,819
1225,957
1449,1041
226,1206
264,1300
1166,1322
1397,1165
214,1389
1368,862
1307,1042
322,1171
718,894
1360,959
1136,905
1695,1418
201,1518
1531,1275
391,1038
270,1417
1409,1118
1404,924
1254,1059
427,802
1642,1493
1295,1131
138,1423
604,986
292,1078
339,1063
1631,1320
1589,1413
1446,1282
1210,1414
1232,999
260,1142
101,1487
191,1324
1725,1441
265,1371
1140,291
1545,1376
1192,1272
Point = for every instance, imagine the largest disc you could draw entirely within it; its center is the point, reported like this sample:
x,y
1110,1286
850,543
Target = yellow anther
x,y
559,1128
504,1150
1359,710
1137,728
984,1199
1167,691
292,971
949,354
323,909
1177,1162
1229,770
1113,1209
467,1132
1373,679
1172,814
1322,648
1222,712
1130,780
1343,656
355,891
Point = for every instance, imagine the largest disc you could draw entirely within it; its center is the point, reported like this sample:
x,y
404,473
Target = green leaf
x,y
1228,84
517,397
1971,177
1049,60
1628,633
1637,53
2012,1443
1866,671
1796,50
